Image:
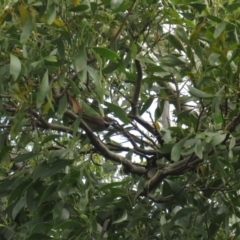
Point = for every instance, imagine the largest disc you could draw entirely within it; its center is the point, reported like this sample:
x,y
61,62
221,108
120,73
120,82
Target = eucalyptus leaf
x,y
108,54
15,66
198,93
43,91
80,61
177,148
118,112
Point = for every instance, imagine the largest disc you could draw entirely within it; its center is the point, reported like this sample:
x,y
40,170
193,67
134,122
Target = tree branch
x,y
99,146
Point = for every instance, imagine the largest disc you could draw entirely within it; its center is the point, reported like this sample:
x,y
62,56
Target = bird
x,y
96,123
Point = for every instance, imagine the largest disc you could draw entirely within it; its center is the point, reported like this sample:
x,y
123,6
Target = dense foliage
x,y
166,72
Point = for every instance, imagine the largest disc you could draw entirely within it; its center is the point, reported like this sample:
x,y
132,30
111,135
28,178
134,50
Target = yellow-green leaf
x,y
15,66
80,61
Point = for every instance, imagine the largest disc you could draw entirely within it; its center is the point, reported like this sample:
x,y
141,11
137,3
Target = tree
x,y
167,165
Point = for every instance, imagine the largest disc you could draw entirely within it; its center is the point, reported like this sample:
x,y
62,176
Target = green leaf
x,y
69,179
79,8
213,58
171,61
50,138
140,220
219,29
42,226
198,149
48,192
197,93
108,186
145,59
235,55
94,7
101,202
108,54
109,168
220,93
97,81
177,148
84,200
159,110
217,117
230,154
122,218
51,59
232,142
232,7
74,87
123,7
36,64
175,42
18,207
61,48
220,168
25,156
69,224
5,71
154,69
51,14
7,186
198,6
214,18
180,32
38,236
184,212
30,199
89,110
19,189
27,29
140,187
5,160
177,130
216,140
17,126
198,50
118,112
15,66
43,90
80,61
19,121
112,66
173,187
62,104
58,154
147,104
45,170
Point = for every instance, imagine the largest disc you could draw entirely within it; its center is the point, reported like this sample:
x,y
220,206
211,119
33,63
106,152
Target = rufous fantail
x,y
95,123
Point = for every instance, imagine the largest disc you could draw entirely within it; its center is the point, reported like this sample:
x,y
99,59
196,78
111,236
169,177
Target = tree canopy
x,y
152,151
